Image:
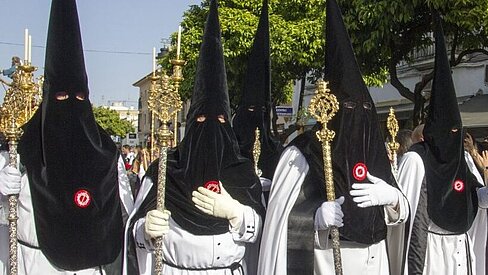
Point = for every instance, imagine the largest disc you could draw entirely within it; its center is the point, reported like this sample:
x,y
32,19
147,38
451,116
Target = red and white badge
x,y
359,171
82,198
212,185
458,186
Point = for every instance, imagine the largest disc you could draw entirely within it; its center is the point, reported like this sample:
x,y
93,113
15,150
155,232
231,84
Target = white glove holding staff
x,y
10,181
157,223
329,214
378,192
219,205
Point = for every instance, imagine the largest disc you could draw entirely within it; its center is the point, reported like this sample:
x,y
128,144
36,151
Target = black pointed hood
x,y
70,161
209,152
451,187
358,137
210,96
357,142
254,109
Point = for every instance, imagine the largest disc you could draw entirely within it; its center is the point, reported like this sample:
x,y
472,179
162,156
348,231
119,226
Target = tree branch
x,y
395,82
466,52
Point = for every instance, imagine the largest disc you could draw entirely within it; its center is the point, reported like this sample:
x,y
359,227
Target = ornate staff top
x,y
323,108
164,99
21,100
256,152
392,125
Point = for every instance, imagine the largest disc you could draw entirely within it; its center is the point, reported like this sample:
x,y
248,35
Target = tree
x,y
383,33
386,32
110,121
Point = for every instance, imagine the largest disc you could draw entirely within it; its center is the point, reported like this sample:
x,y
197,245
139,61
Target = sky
x,y
118,37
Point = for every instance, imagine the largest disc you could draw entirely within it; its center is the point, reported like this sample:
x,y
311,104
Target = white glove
x,y
157,223
329,214
376,193
10,181
219,205
483,197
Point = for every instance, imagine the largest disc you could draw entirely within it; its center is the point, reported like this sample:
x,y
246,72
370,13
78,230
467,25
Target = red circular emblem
x,y
458,186
82,198
359,171
212,186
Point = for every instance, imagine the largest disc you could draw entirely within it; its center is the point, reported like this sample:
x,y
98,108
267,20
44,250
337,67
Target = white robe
x,y
357,259
31,261
183,249
446,254
4,239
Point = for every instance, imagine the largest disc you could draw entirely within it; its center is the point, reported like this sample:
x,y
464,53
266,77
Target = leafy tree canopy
x,y
110,121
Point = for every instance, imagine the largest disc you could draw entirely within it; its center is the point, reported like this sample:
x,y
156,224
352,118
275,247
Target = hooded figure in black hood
x,y
297,202
71,201
255,106
441,189
212,193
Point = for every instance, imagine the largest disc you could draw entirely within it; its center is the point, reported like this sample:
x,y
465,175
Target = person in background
x,y
404,138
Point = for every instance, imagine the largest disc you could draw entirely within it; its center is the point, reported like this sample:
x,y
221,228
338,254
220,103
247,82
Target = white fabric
x,y
288,179
31,260
184,249
446,254
478,231
9,181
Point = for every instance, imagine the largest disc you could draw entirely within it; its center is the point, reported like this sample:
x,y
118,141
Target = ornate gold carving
x,y
393,145
164,102
22,99
256,152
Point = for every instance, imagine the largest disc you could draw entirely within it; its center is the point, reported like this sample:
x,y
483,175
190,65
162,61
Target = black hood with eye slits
x,y
209,151
71,162
358,140
451,187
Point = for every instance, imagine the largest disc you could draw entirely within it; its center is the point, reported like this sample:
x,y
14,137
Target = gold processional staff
x,y
393,145
323,107
164,102
22,99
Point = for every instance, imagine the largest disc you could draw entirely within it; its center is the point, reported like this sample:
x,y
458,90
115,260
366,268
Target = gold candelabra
x,y
164,102
323,106
256,152
22,99
393,145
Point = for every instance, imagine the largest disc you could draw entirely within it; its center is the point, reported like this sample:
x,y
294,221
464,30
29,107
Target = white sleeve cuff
x,y
399,214
140,235
250,226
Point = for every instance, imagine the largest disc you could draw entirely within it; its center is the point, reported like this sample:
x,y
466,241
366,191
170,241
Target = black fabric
x,y
358,140
254,109
210,95
238,178
455,210
64,151
444,159
418,238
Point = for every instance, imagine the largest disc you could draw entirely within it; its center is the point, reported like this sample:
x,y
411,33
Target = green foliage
x,y
110,121
390,30
297,42
383,32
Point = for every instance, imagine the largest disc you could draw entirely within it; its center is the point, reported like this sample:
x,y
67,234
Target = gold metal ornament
x,y
164,102
21,100
393,145
256,152
323,106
